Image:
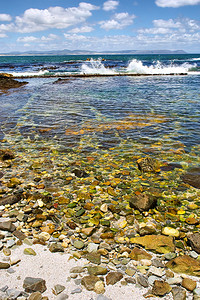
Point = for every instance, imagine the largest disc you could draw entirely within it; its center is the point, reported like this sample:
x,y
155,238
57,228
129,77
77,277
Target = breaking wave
x,y
137,67
96,67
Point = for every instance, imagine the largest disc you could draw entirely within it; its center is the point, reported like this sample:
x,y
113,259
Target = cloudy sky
x,y
99,25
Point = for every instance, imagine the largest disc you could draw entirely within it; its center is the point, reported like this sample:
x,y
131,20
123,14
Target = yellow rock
x,y
123,224
99,287
170,231
104,208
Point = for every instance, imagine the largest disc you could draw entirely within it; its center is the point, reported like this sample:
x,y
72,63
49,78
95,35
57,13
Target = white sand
x,y
54,268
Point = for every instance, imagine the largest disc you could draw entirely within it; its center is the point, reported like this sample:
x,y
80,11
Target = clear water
x,y
102,112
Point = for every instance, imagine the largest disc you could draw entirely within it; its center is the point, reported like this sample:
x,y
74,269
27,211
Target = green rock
x,y
97,270
94,258
29,251
78,244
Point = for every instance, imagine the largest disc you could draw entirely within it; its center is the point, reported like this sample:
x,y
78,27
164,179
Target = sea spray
x,y
96,67
137,67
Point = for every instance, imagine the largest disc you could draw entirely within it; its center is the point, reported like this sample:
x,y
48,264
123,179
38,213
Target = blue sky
x,y
100,25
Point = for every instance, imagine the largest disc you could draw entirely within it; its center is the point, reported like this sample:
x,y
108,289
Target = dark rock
x,y
171,167
113,277
194,241
161,288
11,199
148,164
7,226
178,293
89,282
6,154
6,82
34,285
143,202
192,177
80,173
4,265
56,247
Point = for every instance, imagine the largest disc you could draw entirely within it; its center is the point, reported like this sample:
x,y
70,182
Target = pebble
x,y
142,281
78,244
76,291
156,271
178,293
29,251
189,284
34,285
57,289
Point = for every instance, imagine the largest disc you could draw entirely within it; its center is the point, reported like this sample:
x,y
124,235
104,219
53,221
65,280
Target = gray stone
x,y
77,281
152,278
7,226
197,291
63,296
178,293
142,281
13,293
102,297
193,254
170,255
34,285
76,291
157,263
4,288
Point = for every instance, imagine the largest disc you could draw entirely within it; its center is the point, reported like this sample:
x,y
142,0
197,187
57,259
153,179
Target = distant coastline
x,y
85,52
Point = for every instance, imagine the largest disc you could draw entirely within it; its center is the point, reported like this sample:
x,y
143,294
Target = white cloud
x,y
54,17
5,17
33,39
110,5
119,21
3,35
176,3
81,29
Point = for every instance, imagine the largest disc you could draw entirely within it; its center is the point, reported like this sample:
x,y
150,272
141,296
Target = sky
x,y
96,25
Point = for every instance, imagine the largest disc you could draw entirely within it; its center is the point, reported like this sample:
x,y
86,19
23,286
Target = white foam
x,y
137,67
95,67
27,74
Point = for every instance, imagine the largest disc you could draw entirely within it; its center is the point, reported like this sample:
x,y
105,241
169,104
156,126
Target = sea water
x,y
103,112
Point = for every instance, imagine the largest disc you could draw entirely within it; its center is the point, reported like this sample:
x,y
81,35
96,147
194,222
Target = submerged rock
x,y
143,202
148,164
7,82
192,177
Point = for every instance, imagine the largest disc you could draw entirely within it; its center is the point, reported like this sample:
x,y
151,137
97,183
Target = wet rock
x,y
80,173
189,284
194,241
78,244
158,243
142,281
184,264
94,258
161,288
113,277
97,270
29,251
7,226
170,231
178,293
56,247
34,285
192,177
138,254
7,82
35,296
58,288
6,154
89,282
148,164
4,265
143,202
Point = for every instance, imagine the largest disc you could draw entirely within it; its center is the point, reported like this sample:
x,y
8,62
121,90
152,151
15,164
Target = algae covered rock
x,y
159,243
184,264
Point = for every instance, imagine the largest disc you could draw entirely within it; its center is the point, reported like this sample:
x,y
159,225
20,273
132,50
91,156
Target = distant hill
x,y
86,52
